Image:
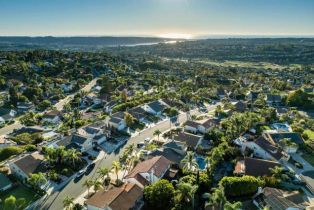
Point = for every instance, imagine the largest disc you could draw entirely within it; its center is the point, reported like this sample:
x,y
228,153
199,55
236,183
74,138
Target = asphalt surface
x,y
54,201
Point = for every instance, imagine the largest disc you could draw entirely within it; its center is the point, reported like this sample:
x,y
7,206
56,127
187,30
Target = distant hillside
x,y
61,42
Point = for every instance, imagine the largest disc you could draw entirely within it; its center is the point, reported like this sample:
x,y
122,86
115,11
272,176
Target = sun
x,y
176,36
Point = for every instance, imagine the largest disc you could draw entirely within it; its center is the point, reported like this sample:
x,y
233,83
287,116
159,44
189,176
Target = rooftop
x,y
254,167
118,198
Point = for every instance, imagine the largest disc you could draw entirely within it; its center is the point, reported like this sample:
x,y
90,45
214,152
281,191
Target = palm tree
x,y
186,192
73,156
189,162
102,172
233,206
68,202
97,185
218,197
116,168
88,183
157,133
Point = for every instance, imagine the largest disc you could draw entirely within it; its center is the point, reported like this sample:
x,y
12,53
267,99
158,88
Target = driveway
x,y
54,201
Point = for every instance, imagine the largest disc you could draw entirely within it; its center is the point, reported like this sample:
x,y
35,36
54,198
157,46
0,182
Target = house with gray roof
x,y
155,108
28,164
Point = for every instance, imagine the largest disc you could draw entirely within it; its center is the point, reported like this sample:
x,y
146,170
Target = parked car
x,y
80,173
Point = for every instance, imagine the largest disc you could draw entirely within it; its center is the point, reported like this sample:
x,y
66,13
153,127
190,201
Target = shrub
x,y
240,186
10,151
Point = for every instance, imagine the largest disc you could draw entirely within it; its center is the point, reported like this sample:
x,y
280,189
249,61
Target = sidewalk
x,y
82,198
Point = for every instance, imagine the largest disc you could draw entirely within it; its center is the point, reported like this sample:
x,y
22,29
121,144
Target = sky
x,y
166,18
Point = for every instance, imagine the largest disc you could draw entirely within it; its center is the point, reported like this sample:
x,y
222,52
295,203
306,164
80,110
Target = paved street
x,y
86,88
9,128
54,201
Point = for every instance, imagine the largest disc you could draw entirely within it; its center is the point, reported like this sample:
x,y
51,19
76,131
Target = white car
x,y
147,139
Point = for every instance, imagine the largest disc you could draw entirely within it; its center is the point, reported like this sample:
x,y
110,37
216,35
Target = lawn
x,y
20,191
309,133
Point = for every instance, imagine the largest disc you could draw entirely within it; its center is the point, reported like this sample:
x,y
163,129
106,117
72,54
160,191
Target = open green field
x,y
20,191
257,65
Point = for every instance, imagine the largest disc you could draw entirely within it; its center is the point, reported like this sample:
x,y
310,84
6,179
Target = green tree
x,y
185,195
73,156
189,163
68,203
37,180
233,206
239,186
88,184
157,133
116,166
159,195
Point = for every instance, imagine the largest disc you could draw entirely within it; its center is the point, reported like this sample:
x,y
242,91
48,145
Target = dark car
x,y
89,168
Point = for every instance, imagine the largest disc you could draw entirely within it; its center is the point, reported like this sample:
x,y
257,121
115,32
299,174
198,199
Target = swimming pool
x,y
201,162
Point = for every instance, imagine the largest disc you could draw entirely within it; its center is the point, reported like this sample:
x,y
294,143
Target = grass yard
x,y
20,191
309,133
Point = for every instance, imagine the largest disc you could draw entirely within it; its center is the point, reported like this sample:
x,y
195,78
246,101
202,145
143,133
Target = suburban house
x,y
281,111
27,164
273,198
195,127
191,140
288,141
155,108
240,106
24,106
128,196
53,116
273,99
191,126
263,148
207,125
5,183
138,113
172,150
109,106
95,133
254,167
149,171
6,115
117,121
252,95
221,93
76,141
